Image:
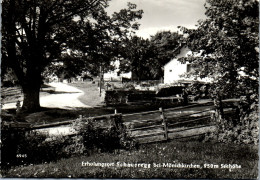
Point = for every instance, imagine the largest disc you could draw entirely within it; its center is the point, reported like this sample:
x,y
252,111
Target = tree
x,y
137,56
228,42
38,32
146,58
165,43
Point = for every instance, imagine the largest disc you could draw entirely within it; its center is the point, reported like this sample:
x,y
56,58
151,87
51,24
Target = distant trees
x,y
146,58
165,43
138,57
36,33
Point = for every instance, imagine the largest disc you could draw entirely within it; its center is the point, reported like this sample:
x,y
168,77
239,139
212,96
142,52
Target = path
x,y
64,97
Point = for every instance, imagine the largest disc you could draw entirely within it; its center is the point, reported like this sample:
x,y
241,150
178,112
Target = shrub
x,y
20,147
9,141
242,127
76,147
199,90
39,147
43,148
116,97
104,138
129,86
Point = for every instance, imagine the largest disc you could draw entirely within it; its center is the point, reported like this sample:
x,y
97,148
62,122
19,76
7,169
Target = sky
x,y
162,15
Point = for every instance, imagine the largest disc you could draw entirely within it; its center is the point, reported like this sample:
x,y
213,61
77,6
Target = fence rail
x,y
158,125
163,124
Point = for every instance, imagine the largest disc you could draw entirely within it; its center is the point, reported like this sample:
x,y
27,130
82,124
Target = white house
x,y
114,75
174,69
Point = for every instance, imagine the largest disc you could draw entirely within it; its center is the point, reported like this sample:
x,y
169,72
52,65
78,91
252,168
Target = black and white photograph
x,y
130,89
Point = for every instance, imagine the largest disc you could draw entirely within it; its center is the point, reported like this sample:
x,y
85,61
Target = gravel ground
x,y
64,97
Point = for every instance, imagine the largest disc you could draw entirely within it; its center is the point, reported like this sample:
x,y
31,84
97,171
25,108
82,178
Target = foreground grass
x,y
170,152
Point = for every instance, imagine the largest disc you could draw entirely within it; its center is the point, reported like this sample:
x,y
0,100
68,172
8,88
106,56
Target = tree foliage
x,y
138,57
38,32
166,43
228,43
146,58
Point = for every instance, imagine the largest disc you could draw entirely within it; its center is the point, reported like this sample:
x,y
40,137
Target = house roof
x,y
179,50
176,51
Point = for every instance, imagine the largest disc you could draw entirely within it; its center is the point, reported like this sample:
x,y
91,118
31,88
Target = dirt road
x,y
64,96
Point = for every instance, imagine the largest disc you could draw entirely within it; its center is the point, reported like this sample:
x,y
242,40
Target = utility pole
x,y
100,79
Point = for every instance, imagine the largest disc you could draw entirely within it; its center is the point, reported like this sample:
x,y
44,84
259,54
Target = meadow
x,y
213,160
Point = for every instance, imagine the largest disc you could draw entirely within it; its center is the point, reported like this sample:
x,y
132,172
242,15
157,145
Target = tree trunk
x,y
31,91
31,102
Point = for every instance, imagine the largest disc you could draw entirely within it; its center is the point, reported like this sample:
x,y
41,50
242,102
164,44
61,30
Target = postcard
x,y
139,89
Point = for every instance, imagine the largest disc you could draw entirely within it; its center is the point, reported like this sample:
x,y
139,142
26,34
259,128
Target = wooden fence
x,y
165,124
150,126
104,121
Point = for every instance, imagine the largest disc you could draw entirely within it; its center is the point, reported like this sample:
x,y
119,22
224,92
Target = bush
x,y
129,86
116,97
20,147
242,127
199,90
104,139
38,147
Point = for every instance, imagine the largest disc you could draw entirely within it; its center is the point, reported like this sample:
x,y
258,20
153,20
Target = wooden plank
x,y
189,128
173,121
178,134
153,141
105,116
148,135
20,125
138,117
140,113
183,137
183,122
143,124
190,109
180,107
198,113
97,118
145,120
42,126
148,127
182,115
192,132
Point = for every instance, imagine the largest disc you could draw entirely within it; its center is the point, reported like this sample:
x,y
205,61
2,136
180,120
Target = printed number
x,y
213,166
21,155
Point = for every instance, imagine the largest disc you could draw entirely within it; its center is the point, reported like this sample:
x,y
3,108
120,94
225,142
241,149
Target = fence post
x,y
18,107
164,124
80,117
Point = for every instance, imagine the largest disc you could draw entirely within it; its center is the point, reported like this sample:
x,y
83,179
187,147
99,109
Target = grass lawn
x,y
208,156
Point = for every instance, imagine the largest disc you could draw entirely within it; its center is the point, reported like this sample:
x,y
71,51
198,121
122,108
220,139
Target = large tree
x,y
37,32
229,46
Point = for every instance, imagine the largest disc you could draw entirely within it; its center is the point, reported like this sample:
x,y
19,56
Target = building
x,y
115,75
174,70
